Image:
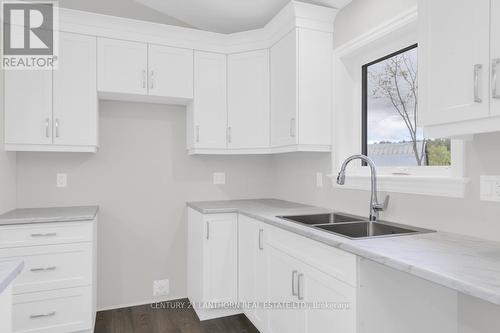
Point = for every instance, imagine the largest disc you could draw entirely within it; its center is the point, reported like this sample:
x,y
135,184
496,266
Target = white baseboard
x,y
145,302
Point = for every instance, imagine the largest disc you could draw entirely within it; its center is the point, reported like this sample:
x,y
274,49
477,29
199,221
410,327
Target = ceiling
x,y
227,16
122,8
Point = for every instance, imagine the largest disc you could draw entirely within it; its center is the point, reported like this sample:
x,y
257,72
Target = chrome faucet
x,y
375,206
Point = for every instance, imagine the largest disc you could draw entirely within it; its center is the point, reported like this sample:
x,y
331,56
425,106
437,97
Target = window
x,y
390,135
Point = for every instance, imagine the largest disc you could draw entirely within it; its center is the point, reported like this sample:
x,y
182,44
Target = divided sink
x,y
354,227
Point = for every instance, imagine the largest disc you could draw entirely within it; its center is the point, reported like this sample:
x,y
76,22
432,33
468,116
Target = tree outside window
x,y
391,136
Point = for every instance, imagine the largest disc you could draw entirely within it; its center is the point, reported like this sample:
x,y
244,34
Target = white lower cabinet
x,y
55,292
212,263
285,283
252,270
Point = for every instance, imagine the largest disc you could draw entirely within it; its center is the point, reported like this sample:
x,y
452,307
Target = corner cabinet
x,y
459,64
301,90
61,113
212,263
269,266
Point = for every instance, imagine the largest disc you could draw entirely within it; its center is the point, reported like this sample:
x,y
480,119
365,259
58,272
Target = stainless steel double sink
x,y
354,227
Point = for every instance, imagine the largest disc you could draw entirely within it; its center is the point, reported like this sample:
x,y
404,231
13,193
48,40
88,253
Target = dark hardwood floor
x,y
171,317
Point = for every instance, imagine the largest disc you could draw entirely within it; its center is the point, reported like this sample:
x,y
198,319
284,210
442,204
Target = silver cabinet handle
x,y
261,239
494,78
144,74
477,74
47,124
197,134
292,127
50,234
151,80
43,315
300,293
57,127
208,230
229,134
294,277
46,269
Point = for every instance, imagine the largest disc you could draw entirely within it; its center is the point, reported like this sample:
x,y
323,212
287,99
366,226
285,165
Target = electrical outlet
x,y
319,179
490,188
161,287
61,180
219,178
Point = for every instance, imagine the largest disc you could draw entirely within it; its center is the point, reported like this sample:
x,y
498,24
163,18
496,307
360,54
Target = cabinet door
x,y
122,66
170,72
495,55
282,285
209,106
252,270
75,91
220,258
454,60
338,299
284,91
28,107
248,100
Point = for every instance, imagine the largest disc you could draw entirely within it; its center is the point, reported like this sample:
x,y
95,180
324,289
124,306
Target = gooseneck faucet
x,y
375,206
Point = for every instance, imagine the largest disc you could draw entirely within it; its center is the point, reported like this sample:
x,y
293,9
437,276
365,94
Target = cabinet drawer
x,y
334,262
52,266
45,234
60,311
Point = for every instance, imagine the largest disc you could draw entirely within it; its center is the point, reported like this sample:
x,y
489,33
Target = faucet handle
x,y
382,207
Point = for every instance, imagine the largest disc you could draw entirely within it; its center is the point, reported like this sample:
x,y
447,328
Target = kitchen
x,y
142,154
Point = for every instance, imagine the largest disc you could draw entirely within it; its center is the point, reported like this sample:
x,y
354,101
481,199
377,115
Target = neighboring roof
x,y
403,148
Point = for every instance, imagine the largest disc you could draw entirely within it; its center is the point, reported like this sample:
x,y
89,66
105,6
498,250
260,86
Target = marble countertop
x,y
50,214
9,270
466,264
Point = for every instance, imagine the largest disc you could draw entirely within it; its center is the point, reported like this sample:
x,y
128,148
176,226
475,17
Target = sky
x,y
384,122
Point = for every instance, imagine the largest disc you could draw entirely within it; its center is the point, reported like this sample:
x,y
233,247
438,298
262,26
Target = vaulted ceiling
x,y
224,16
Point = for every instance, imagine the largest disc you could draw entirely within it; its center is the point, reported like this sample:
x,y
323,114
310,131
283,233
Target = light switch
x,y
219,178
61,180
490,188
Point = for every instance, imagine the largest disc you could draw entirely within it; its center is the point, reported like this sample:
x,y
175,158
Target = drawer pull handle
x,y
50,234
43,315
41,269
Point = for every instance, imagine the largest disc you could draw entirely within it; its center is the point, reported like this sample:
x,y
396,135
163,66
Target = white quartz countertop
x,y
466,264
9,270
50,214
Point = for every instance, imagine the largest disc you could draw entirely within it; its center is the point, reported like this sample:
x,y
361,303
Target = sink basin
x,y
322,218
358,230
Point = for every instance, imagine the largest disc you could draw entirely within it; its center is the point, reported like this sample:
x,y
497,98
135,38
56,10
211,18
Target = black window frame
x,y
364,96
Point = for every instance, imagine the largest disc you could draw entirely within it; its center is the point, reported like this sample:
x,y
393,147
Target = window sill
x,y
453,187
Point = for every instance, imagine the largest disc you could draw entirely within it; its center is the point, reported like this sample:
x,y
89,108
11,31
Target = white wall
x,y
141,177
7,165
361,16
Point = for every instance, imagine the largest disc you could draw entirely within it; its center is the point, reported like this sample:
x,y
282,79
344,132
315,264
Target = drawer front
x,y
45,234
334,262
52,266
60,311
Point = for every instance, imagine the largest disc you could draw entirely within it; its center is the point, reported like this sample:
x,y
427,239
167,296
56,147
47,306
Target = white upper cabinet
x,y
28,121
207,114
248,100
75,92
301,90
495,57
284,91
122,66
142,72
455,67
61,111
170,72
